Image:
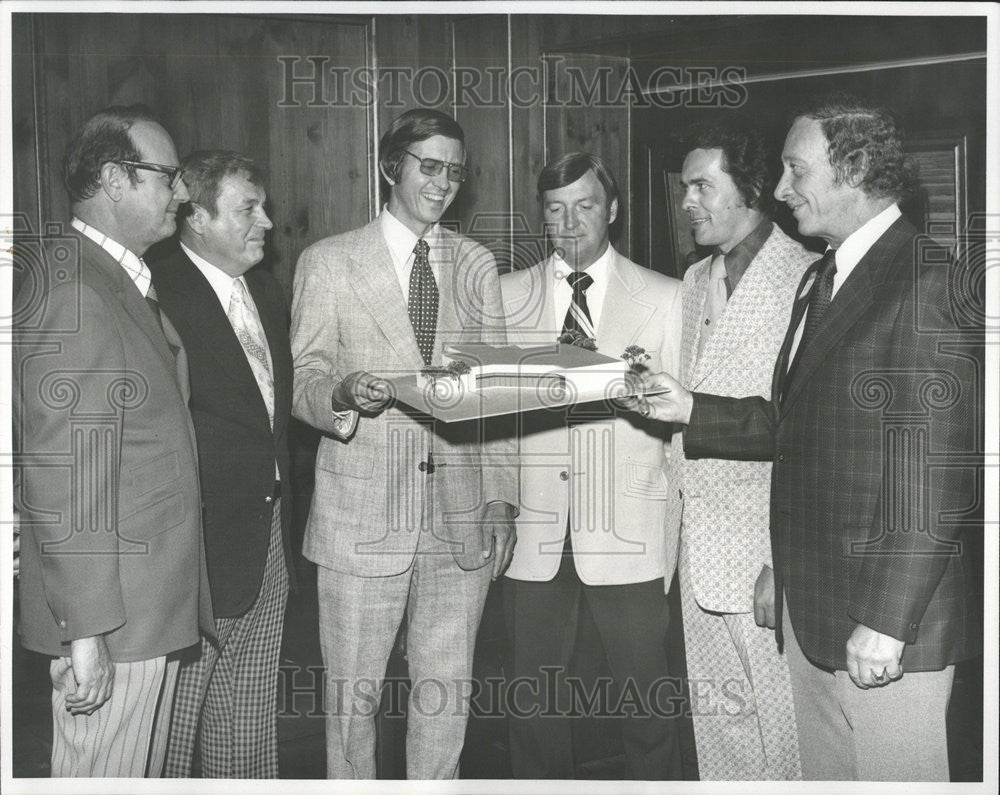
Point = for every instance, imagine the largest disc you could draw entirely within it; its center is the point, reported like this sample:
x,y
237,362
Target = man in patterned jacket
x,y
736,307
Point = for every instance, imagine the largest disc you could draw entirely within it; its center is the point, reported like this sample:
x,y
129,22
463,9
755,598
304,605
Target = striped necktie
x,y
578,314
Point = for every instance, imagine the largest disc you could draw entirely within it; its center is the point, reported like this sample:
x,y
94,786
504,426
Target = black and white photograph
x,y
460,397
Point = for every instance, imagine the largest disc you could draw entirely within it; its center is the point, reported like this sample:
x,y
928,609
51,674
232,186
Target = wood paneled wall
x,y
307,97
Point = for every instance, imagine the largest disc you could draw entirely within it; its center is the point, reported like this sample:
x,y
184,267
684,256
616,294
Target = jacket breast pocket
x,y
353,461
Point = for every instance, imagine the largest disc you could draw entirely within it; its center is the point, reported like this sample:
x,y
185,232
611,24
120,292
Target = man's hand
x,y
673,402
94,674
873,659
361,391
499,535
763,598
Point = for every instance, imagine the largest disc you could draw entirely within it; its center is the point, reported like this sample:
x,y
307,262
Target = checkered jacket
x,y
876,441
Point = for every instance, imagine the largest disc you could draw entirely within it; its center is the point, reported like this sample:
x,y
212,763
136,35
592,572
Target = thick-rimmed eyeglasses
x,y
174,172
431,167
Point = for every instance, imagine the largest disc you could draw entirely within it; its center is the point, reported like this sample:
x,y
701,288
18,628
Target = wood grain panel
x,y
483,205
527,139
582,114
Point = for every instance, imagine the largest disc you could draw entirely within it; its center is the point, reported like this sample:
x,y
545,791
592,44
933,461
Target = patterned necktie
x,y
154,305
578,314
819,301
715,301
250,333
423,301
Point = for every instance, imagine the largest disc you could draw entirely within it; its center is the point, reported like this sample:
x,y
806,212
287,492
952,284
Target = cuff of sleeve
x,y
344,422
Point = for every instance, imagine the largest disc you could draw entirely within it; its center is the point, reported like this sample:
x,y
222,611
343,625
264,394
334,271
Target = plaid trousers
x,y
227,699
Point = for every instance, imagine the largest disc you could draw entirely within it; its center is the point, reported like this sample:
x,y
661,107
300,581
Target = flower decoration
x,y
576,337
636,357
455,369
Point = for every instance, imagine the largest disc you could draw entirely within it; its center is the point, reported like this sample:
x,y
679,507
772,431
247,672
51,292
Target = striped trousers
x,y
227,698
115,740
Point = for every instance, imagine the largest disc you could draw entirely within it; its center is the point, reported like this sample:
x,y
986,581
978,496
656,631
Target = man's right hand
x,y
94,673
673,403
763,598
361,391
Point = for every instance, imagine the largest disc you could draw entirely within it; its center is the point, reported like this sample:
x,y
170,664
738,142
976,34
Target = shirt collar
x,y
399,238
739,257
856,245
220,281
597,270
136,269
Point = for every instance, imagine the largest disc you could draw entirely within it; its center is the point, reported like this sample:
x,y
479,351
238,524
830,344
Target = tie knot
x,y
828,265
579,281
718,267
421,249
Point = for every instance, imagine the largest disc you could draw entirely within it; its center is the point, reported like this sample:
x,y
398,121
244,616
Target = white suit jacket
x,y
726,532
612,467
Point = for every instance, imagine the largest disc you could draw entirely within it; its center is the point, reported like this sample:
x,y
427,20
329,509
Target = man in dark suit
x,y
871,424
233,322
113,576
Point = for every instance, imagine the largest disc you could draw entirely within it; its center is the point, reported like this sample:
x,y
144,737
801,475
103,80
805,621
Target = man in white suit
x,y
599,510
737,302
408,516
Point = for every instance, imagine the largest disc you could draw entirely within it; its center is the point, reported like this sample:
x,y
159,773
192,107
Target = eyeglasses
x,y
174,172
432,167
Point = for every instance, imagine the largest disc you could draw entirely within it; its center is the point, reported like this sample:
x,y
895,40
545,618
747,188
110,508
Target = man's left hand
x,y
499,535
873,659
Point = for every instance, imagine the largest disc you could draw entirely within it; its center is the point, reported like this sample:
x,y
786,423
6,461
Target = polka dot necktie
x,y
423,300
578,314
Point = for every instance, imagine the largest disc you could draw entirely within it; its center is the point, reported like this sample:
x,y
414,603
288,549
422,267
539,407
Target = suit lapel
x,y
132,301
277,341
529,305
852,301
624,314
374,282
695,289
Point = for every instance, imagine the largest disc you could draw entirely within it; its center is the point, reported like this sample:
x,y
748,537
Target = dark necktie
x,y
578,314
819,302
423,300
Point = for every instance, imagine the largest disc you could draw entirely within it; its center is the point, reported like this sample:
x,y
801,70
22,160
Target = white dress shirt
x,y
222,285
136,269
850,253
401,242
563,293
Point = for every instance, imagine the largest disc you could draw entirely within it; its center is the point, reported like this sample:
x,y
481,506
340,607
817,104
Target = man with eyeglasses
x,y
113,579
409,517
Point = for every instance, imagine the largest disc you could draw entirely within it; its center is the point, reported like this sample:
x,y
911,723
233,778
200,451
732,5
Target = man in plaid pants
x,y
234,324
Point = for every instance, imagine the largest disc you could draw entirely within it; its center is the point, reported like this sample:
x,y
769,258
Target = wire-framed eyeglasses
x,y
174,172
431,167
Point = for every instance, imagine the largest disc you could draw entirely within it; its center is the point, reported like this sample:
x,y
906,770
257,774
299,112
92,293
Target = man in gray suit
x,y
113,577
409,517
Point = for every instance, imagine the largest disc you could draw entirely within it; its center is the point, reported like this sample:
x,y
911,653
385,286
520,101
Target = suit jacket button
x,y
914,626
564,475
269,499
781,458
62,623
